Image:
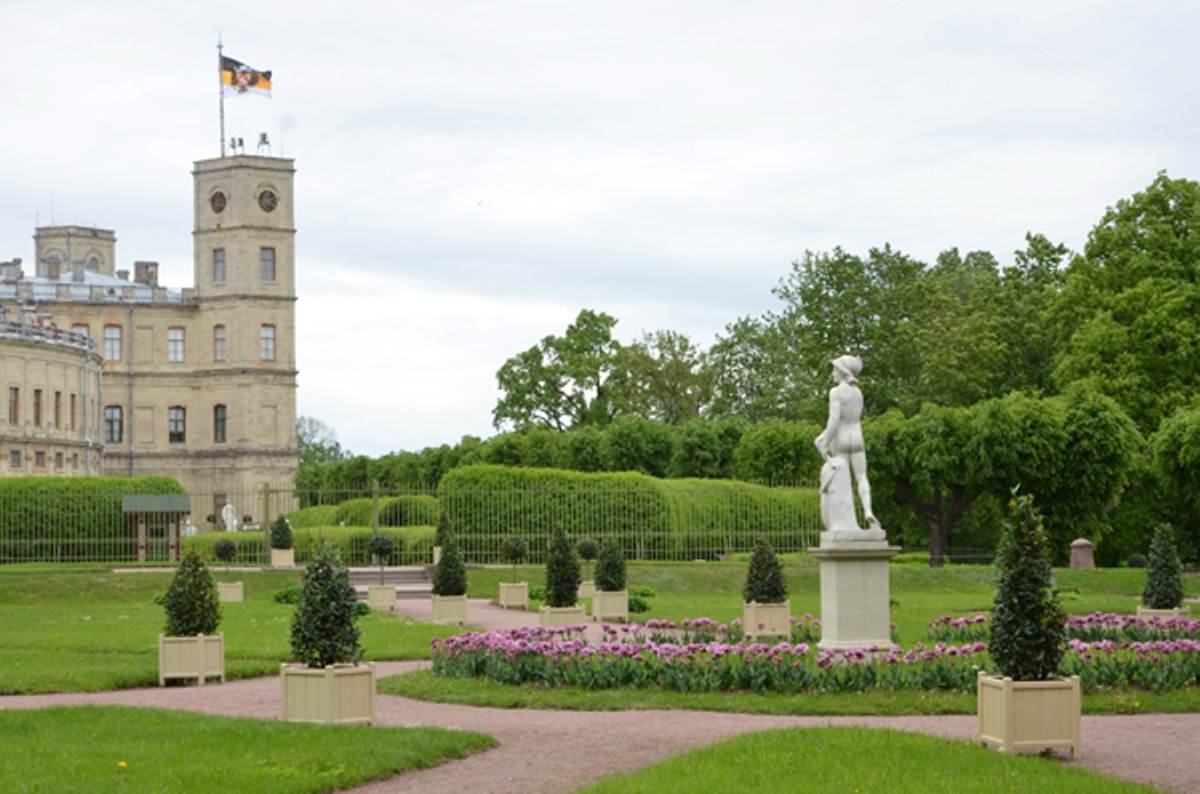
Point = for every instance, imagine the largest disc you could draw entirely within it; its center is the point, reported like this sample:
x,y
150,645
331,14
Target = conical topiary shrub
x,y
324,628
444,529
1164,580
562,572
764,581
1028,627
192,603
450,575
610,570
281,534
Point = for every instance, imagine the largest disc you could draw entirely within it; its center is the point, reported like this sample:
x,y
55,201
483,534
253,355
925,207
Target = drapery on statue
x,y
841,446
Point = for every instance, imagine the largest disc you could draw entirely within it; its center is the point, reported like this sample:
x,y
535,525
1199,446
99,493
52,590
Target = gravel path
x,y
553,751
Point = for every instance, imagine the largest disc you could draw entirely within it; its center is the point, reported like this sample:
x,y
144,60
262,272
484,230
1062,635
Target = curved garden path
x,y
553,751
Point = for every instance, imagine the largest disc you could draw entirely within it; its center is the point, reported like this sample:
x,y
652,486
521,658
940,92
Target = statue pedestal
x,y
855,589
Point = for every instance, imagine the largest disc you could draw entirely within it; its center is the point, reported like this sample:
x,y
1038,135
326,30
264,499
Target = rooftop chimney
x,y
146,273
123,275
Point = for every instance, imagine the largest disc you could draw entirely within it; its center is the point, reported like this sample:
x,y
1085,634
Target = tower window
x,y
266,340
112,343
113,425
218,265
176,424
266,264
175,345
218,343
219,421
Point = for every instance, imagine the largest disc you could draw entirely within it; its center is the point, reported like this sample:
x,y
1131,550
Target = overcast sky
x,y
472,174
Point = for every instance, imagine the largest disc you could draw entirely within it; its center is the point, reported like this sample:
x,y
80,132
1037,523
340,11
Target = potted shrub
x,y
1025,705
450,584
381,596
225,550
766,611
1163,596
282,553
588,550
517,593
191,648
562,584
441,535
611,599
327,683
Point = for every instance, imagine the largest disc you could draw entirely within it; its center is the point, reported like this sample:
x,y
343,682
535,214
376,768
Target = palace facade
x,y
113,375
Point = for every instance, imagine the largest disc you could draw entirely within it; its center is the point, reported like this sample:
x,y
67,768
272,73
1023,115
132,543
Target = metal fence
x,y
679,523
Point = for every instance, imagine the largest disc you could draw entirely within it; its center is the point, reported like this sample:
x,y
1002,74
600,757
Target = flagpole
x,y
221,90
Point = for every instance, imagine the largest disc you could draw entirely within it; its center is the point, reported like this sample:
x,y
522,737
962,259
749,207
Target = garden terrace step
x,y
410,582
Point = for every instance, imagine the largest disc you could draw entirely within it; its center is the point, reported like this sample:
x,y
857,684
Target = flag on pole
x,y
237,79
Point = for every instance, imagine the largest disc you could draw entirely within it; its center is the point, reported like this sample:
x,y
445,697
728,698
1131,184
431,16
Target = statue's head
x,y
847,367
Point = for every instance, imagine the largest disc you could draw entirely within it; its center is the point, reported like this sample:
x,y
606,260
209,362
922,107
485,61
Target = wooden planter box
x,y
550,617
1029,715
229,592
587,590
612,605
382,596
343,694
199,657
514,595
776,620
450,609
1164,614
283,558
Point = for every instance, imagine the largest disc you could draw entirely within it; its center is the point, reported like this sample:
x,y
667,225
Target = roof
x,y
113,289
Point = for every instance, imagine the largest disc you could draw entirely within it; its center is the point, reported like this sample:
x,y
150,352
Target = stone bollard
x,y
1081,555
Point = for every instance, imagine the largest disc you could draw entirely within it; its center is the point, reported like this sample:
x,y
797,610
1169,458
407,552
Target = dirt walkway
x,y
554,751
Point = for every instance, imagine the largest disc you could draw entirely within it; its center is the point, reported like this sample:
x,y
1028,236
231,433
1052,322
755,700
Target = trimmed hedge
x,y
414,545
69,519
649,518
408,510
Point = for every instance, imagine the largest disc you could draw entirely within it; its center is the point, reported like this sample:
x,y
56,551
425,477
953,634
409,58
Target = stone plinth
x,y
855,591
1081,555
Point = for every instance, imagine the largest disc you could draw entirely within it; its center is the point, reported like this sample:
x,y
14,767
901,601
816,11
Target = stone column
x,y
855,591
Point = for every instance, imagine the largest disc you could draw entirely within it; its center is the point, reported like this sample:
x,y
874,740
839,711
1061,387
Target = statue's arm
x,y
835,416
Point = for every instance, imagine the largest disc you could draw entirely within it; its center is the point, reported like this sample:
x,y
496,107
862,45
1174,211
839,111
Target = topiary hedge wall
x,y
649,518
68,519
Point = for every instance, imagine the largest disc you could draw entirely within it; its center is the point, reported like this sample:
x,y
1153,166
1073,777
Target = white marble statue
x,y
841,445
229,517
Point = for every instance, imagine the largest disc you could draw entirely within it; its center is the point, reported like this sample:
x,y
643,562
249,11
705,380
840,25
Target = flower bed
x,y
701,655
1088,628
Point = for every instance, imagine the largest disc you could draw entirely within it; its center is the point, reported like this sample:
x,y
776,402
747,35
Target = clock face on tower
x,y
268,200
217,202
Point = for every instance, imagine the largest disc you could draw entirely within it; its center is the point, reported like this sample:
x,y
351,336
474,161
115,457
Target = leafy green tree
x,y
588,550
632,443
1028,630
583,449
765,583
324,628
1164,580
664,377
610,570
562,381
705,448
1175,451
562,572
192,603
1127,316
225,550
754,372
780,452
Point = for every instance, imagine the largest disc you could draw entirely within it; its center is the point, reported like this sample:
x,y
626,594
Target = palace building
x,y
119,376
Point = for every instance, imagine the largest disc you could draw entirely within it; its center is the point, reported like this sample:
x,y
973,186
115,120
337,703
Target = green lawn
x,y
856,760
88,629
94,748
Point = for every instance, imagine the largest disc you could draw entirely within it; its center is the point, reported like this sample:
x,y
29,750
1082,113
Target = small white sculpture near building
x,y
229,517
